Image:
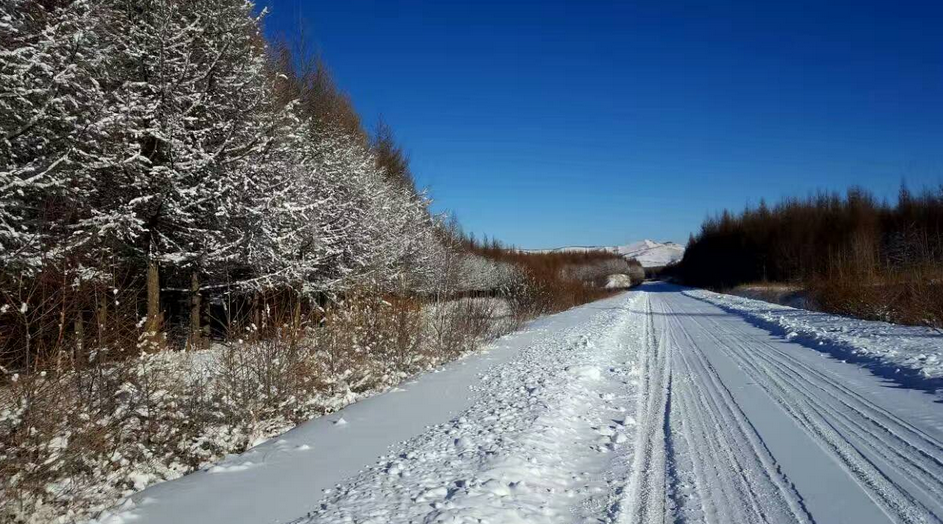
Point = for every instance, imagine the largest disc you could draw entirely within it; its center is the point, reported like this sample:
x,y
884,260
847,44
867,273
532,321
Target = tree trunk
x,y
79,338
102,320
206,325
154,320
196,333
296,327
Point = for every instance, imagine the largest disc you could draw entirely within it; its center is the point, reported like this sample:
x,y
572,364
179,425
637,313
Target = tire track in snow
x,y
861,437
895,442
736,477
646,496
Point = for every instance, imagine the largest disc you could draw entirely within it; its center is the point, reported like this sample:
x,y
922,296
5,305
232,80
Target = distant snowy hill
x,y
648,252
653,254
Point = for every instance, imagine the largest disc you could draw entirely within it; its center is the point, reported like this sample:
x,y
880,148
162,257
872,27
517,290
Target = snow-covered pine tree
x,y
51,104
194,123
158,136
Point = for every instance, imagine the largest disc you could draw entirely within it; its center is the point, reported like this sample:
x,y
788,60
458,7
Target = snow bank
x,y
909,355
783,294
618,281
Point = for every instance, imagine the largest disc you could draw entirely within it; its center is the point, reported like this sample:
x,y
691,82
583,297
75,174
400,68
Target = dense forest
x,y
147,150
852,254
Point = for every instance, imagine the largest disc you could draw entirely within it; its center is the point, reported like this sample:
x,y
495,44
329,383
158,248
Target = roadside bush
x,y
913,298
549,282
74,441
636,272
367,340
71,443
453,327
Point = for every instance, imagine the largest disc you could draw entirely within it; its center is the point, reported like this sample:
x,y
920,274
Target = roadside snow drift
x,y
910,355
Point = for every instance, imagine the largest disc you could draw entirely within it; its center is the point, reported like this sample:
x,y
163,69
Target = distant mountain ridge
x,y
649,253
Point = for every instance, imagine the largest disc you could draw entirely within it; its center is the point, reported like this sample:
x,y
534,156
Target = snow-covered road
x,y
652,406
760,428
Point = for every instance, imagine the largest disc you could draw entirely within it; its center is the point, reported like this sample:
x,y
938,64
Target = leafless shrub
x,y
455,327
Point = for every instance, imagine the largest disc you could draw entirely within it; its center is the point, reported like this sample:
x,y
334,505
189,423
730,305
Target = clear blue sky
x,y
550,123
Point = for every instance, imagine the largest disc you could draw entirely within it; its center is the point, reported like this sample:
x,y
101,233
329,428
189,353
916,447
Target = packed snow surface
x,y
655,405
649,253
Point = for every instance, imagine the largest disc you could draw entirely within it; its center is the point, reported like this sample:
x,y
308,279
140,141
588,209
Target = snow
x,y
649,253
585,372
653,254
813,438
911,355
660,404
618,281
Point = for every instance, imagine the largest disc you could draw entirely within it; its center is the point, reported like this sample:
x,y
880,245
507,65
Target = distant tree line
x,y
853,253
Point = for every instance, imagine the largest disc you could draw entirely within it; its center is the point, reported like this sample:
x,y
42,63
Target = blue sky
x,y
585,122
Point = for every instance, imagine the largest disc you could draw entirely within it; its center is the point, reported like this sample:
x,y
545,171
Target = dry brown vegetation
x,y
77,436
853,255
549,285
